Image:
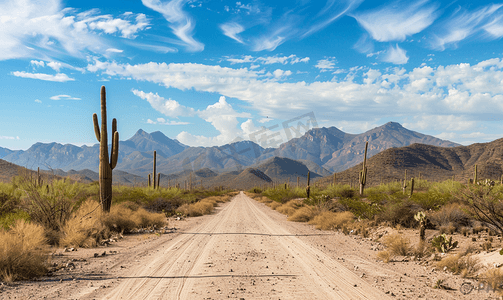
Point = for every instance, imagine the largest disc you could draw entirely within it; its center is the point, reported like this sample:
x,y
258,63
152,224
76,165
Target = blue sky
x,y
209,72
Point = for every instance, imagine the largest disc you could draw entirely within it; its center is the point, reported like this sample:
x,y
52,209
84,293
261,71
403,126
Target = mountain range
x,y
321,150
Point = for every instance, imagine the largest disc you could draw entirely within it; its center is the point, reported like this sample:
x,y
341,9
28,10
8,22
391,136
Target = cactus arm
x,y
115,150
96,127
114,125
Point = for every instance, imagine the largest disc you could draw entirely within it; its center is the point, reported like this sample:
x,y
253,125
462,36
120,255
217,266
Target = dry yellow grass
x,y
397,244
120,219
328,220
146,219
384,255
85,227
290,207
457,264
303,214
273,205
23,253
494,278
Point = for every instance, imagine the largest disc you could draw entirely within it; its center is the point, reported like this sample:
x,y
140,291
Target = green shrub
x,y
7,220
399,213
361,209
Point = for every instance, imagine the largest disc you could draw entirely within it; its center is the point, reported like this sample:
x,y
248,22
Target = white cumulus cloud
x,y
396,56
168,107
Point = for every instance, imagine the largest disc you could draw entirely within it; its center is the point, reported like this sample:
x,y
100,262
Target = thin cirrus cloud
x,y
268,60
325,64
162,121
397,21
59,77
180,22
464,24
52,31
64,97
290,24
232,29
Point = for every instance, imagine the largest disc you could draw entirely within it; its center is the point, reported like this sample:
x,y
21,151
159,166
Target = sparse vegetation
x,y
24,253
465,265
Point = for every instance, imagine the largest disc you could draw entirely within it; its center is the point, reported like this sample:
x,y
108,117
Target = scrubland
x,y
463,222
64,213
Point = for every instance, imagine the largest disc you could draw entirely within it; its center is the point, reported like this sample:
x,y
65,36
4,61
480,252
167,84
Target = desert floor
x,y
243,250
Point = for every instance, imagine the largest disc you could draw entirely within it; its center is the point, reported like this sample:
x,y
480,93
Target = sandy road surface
x,y
241,253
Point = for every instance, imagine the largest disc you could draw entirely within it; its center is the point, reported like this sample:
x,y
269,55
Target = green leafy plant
x,y
443,244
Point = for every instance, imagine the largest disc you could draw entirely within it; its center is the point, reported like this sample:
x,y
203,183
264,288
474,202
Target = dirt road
x,y
241,253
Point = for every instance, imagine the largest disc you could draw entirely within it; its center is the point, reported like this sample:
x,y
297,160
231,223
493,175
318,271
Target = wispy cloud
x,y
397,21
38,101
64,97
35,29
396,56
181,23
3,137
59,77
162,121
168,107
232,29
268,60
464,24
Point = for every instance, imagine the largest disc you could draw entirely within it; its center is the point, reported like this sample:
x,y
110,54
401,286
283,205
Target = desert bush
x,y
7,220
145,219
7,203
303,214
384,255
422,249
273,205
255,190
450,229
484,204
397,244
120,219
23,252
52,205
196,209
450,215
399,213
467,266
85,228
360,208
494,278
433,199
161,205
289,207
328,220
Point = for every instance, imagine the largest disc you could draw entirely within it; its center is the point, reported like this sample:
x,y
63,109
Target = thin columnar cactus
x,y
149,180
475,175
158,180
106,164
334,178
308,187
411,186
39,177
153,173
405,182
363,172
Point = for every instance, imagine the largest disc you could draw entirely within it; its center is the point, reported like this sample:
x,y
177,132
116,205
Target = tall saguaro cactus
x,y
363,173
475,175
153,173
106,164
